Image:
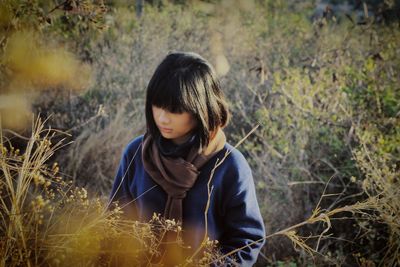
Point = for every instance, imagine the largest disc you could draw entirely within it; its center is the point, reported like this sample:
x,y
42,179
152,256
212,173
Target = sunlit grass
x,y
48,221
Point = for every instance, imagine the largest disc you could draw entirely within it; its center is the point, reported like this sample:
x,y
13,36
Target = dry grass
x,y
319,215
381,183
48,221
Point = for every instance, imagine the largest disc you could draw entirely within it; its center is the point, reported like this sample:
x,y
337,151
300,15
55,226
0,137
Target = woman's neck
x,y
182,139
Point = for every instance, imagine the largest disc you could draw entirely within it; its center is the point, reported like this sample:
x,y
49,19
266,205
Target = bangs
x,y
174,94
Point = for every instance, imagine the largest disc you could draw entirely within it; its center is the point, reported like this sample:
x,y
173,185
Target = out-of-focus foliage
x,y
34,64
35,44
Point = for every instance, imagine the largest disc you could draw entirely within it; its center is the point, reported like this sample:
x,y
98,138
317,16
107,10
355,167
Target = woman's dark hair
x,y
186,82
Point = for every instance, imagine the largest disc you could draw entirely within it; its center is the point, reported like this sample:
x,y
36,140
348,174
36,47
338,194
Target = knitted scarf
x,y
175,174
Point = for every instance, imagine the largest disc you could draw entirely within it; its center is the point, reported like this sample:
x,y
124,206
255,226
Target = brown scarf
x,y
177,175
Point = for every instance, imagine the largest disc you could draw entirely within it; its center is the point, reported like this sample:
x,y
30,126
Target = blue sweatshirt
x,y
233,217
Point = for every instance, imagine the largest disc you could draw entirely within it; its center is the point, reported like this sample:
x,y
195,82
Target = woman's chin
x,y
167,135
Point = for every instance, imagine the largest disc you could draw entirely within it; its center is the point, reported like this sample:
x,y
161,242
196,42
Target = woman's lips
x,y
165,130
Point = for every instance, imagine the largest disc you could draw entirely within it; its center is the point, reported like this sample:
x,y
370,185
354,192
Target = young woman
x,y
168,170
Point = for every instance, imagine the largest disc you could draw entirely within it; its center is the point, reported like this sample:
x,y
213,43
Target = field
x,y
318,82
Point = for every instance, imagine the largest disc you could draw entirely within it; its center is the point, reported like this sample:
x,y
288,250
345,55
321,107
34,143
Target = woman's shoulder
x,y
132,147
235,159
235,174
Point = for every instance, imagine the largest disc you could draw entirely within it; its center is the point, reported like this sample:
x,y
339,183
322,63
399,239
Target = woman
x,y
171,169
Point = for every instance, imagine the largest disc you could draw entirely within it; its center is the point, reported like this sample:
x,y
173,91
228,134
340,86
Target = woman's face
x,y
174,126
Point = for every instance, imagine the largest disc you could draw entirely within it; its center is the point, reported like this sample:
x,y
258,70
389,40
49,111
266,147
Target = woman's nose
x,y
163,117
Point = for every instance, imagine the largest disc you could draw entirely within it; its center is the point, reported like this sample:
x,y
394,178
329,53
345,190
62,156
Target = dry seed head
x,y
39,203
46,143
4,150
50,208
38,179
82,194
55,168
117,211
170,224
155,216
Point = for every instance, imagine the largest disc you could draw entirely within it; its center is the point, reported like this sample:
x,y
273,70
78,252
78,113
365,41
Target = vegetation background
x,y
321,78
